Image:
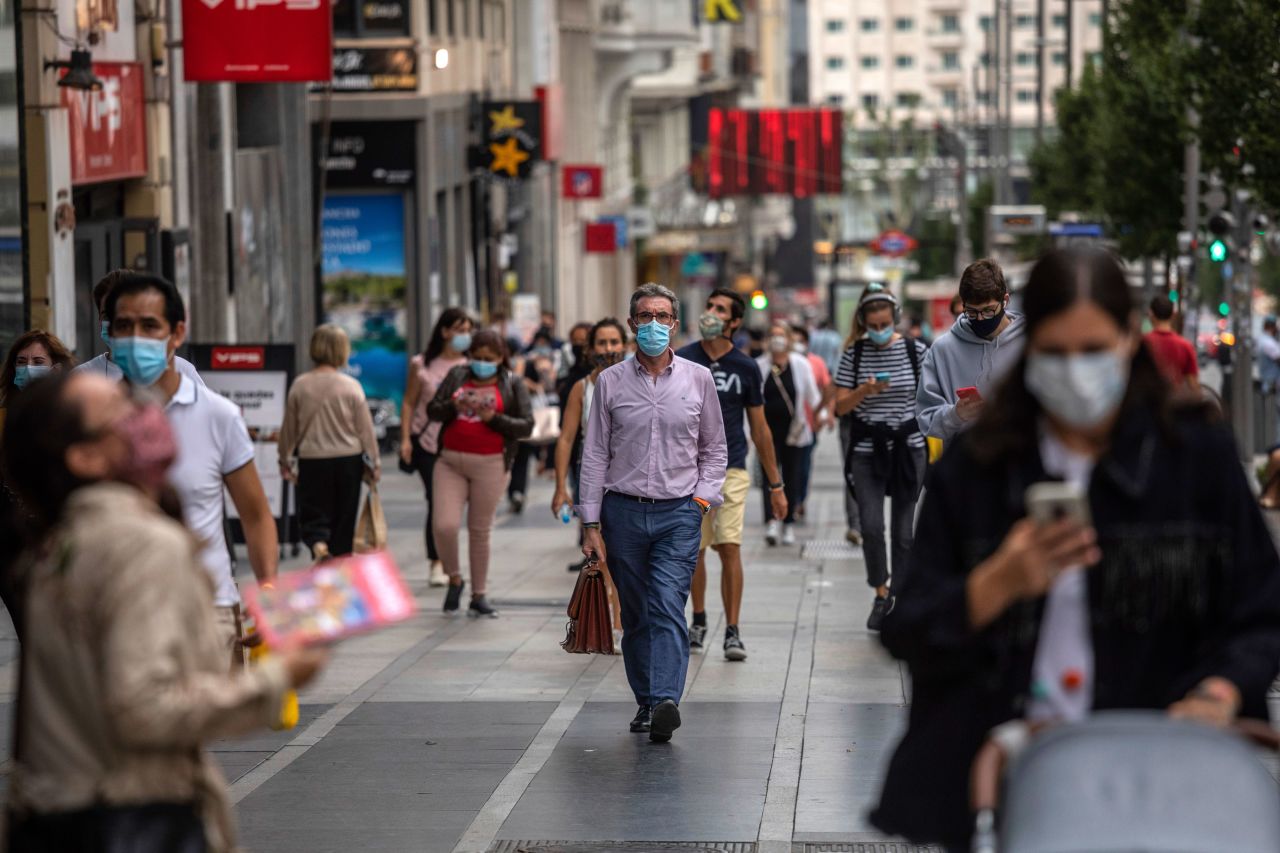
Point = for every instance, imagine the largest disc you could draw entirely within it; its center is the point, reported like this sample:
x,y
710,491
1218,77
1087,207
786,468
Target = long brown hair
x,y
58,354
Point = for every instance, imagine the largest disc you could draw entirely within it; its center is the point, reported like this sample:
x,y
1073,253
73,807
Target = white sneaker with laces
x,y
771,531
788,534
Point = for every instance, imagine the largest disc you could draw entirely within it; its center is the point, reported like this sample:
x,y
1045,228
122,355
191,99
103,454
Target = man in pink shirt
x,y
653,464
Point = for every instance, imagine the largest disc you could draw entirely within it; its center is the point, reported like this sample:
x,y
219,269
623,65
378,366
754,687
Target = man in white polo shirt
x,y
102,362
148,323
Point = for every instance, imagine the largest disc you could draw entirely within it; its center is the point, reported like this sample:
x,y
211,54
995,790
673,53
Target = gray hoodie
x,y
961,359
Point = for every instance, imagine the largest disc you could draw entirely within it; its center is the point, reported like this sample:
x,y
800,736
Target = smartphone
x,y
1048,502
883,378
969,393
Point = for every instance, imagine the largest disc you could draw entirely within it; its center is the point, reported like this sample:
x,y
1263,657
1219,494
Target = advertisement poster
x,y
241,41
364,280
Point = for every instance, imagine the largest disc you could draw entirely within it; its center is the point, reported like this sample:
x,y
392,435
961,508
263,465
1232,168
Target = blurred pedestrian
x,y
215,455
789,391
957,306
575,359
825,343
484,410
652,466
1168,598
1173,354
102,363
328,427
973,357
34,355
740,391
420,443
877,383
126,681
538,369
819,416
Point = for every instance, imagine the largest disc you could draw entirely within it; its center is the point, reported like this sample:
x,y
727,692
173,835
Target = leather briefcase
x,y
590,627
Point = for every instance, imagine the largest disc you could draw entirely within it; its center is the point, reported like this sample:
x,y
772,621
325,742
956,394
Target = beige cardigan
x,y
122,677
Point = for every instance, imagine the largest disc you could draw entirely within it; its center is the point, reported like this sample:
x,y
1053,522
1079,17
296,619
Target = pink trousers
x,y
479,481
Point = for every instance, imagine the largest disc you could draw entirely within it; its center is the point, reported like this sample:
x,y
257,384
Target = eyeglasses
x,y
665,319
983,313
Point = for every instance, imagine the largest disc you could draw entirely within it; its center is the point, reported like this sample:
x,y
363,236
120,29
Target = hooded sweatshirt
x,y
961,359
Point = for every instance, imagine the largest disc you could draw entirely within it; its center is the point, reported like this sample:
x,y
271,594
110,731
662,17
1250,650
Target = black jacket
x,y
513,423
1188,586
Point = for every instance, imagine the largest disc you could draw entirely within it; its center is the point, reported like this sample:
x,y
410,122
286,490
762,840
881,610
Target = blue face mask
x,y
28,373
141,360
461,342
880,337
483,369
105,332
653,338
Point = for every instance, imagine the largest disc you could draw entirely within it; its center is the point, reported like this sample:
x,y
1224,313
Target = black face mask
x,y
985,328
579,350
607,359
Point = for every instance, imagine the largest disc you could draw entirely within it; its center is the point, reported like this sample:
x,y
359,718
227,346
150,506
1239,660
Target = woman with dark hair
x,y
126,679
1170,600
419,436
33,355
484,411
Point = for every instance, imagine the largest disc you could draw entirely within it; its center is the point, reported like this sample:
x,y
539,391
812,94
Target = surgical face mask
x,y
880,337
141,360
147,434
27,373
461,342
799,348
985,328
653,338
607,359
1081,390
779,343
710,325
484,369
104,332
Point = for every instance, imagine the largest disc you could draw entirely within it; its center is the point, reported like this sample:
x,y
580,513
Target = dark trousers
x,y
872,490
791,462
853,518
652,552
520,470
329,501
806,469
169,827
425,463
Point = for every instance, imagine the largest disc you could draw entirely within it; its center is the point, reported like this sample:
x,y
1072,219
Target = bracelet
x,y
776,487
590,525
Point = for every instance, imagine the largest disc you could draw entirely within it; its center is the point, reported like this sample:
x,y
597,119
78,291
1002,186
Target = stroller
x,y
1126,782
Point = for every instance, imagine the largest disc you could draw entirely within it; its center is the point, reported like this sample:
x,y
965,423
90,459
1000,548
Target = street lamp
x,y
79,72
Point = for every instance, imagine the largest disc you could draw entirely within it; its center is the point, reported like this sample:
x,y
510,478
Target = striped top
x,y
895,405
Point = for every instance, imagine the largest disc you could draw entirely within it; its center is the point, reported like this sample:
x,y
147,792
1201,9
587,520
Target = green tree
x,y
1064,168
983,196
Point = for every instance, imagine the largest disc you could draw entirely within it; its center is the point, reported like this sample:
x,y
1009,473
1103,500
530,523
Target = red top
x,y
467,433
1175,356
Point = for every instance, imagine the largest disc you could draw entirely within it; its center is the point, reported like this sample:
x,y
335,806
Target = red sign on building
x,y
238,358
583,182
795,152
257,41
108,127
602,237
894,244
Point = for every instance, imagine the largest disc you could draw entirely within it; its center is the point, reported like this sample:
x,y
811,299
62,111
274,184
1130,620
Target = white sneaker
x,y
788,534
438,577
771,531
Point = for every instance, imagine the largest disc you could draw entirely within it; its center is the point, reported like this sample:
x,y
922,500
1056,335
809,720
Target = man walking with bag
x,y
653,465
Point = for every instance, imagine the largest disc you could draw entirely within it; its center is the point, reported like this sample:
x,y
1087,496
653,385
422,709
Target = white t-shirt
x,y
1065,644
108,368
213,442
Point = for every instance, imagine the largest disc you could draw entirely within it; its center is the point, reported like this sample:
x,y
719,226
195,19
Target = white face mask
x,y
779,343
1080,390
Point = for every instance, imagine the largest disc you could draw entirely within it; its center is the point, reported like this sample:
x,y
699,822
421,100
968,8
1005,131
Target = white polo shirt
x,y
103,365
213,442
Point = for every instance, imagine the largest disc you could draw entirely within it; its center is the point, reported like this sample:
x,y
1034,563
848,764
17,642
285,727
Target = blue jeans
x,y
652,552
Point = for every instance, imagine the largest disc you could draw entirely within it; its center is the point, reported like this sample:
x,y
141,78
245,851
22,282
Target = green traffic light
x,y
1173,296
1224,309
1218,251
759,301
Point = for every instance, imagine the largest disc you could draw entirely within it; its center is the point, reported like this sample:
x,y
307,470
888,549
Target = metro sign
x,y
239,41
894,244
239,358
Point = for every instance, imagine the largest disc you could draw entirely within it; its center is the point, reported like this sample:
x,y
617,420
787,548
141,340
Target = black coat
x,y
513,423
1188,586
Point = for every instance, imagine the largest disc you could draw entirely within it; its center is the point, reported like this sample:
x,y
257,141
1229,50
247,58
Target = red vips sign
x,y
108,127
257,41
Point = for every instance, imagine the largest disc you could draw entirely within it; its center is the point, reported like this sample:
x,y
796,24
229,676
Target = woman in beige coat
x,y
123,682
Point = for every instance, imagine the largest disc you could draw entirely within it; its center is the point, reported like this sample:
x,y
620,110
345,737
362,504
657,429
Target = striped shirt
x,y
896,405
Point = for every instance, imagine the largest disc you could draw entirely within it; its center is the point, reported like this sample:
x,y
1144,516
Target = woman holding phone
x,y
1169,599
876,387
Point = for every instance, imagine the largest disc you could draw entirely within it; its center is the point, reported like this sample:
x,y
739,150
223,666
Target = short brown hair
x,y
982,281
330,345
105,285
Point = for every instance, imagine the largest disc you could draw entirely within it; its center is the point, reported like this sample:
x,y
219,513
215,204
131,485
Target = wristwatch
x,y
705,506
775,487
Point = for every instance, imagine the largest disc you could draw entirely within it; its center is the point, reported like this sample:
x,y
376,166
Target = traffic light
x,y
1221,225
1218,250
1173,296
1224,309
759,301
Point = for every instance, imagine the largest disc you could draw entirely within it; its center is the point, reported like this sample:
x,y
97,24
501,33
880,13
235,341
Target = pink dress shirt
x,y
657,438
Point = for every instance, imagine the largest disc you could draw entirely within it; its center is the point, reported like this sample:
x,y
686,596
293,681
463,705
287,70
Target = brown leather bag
x,y
590,628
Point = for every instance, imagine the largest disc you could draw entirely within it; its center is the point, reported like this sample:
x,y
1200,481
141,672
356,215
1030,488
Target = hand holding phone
x,y
882,378
970,393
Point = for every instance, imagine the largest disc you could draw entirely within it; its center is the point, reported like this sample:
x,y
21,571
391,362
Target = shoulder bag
x,y
795,433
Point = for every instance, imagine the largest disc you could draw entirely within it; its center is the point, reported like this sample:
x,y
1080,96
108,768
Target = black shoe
x,y
882,607
643,718
453,597
666,719
516,499
580,565
733,648
697,638
479,607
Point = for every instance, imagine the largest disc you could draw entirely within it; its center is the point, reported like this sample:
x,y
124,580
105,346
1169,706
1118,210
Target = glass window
x,y
1026,96
985,23
950,23
433,18
1059,57
1025,22
904,25
1060,21
982,96
908,100
1026,57
835,100
950,98
870,25
984,59
870,101
835,25
451,24
904,60
1095,19
951,60
1094,58
835,63
869,62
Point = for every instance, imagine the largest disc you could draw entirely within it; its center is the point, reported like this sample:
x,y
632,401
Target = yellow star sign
x,y
722,10
505,120
507,155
